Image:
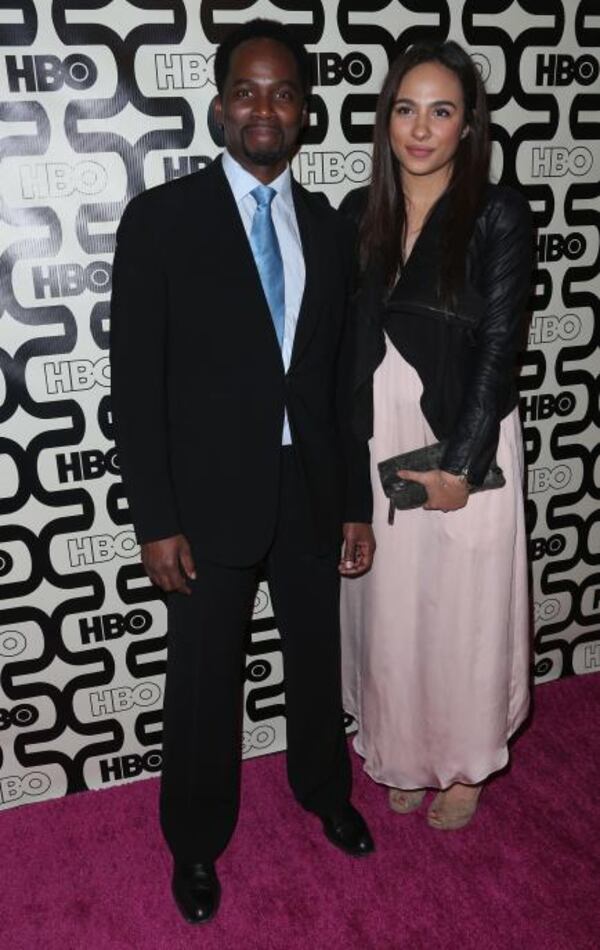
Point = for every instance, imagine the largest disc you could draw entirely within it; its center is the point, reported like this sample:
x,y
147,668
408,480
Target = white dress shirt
x,y
285,223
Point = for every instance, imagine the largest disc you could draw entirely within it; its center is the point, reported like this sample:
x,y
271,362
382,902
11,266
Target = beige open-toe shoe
x,y
449,812
403,801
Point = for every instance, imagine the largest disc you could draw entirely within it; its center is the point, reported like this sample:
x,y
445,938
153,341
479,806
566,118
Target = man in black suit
x,y
231,362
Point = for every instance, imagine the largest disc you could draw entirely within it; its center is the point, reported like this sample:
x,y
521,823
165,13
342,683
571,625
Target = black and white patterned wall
x,y
102,98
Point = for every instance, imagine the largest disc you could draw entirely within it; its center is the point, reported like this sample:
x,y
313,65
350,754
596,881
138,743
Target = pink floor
x,y
91,870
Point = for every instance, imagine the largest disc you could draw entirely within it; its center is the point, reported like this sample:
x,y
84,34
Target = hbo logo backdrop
x,y
99,104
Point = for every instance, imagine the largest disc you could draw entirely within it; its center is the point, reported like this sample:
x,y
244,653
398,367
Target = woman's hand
x,y
445,492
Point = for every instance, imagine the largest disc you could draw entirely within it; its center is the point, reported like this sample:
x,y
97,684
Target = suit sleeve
x,y
358,504
506,284
138,341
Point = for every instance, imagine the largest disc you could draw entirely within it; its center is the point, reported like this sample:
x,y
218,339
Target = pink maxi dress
x,y
435,639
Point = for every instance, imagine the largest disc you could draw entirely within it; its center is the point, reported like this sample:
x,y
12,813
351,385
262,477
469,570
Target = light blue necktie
x,y
267,256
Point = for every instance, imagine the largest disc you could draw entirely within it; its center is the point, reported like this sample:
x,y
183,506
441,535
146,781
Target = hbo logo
x,y
122,698
546,610
258,670
546,405
19,716
113,626
99,548
257,739
332,168
12,643
182,70
89,464
556,161
130,766
547,328
67,376
13,787
48,73
67,280
183,165
551,247
59,180
546,547
261,602
557,69
330,69
544,479
483,65
6,563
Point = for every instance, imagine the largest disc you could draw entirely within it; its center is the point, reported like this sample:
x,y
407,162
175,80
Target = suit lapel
x,y
308,316
230,225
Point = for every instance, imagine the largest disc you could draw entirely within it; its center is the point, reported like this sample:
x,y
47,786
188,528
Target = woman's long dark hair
x,y
383,226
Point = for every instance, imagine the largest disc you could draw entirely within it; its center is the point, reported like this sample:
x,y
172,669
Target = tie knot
x,y
263,195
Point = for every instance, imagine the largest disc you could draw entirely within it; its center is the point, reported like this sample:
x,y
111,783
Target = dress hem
x,y
481,776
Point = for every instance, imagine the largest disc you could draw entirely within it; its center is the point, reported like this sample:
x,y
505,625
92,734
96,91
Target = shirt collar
x,y
242,182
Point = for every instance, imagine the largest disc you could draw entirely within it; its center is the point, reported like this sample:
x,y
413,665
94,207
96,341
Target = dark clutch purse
x,y
406,494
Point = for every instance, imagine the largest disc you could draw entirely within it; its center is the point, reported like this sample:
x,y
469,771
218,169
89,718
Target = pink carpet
x,y
91,871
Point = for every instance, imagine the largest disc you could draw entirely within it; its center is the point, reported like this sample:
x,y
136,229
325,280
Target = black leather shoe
x,y
197,891
347,830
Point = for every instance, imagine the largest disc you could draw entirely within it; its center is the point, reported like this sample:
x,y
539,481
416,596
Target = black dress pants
x,y
205,675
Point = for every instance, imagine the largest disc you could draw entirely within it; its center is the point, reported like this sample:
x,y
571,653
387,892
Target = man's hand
x,y
358,549
169,563
445,492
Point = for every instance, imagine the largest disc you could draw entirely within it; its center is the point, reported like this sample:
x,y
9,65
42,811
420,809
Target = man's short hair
x,y
260,29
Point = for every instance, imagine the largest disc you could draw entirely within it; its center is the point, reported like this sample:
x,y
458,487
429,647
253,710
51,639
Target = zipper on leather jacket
x,y
446,315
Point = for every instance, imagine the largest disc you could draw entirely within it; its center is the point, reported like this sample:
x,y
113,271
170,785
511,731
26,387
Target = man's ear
x,y
305,114
215,121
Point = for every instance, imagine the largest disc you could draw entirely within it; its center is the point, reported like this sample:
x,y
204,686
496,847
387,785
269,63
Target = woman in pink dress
x,y
436,636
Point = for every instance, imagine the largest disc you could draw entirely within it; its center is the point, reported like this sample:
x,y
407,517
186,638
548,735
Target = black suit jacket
x,y
199,387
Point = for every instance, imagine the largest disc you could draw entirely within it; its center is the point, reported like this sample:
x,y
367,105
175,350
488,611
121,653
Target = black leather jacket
x,y
465,358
